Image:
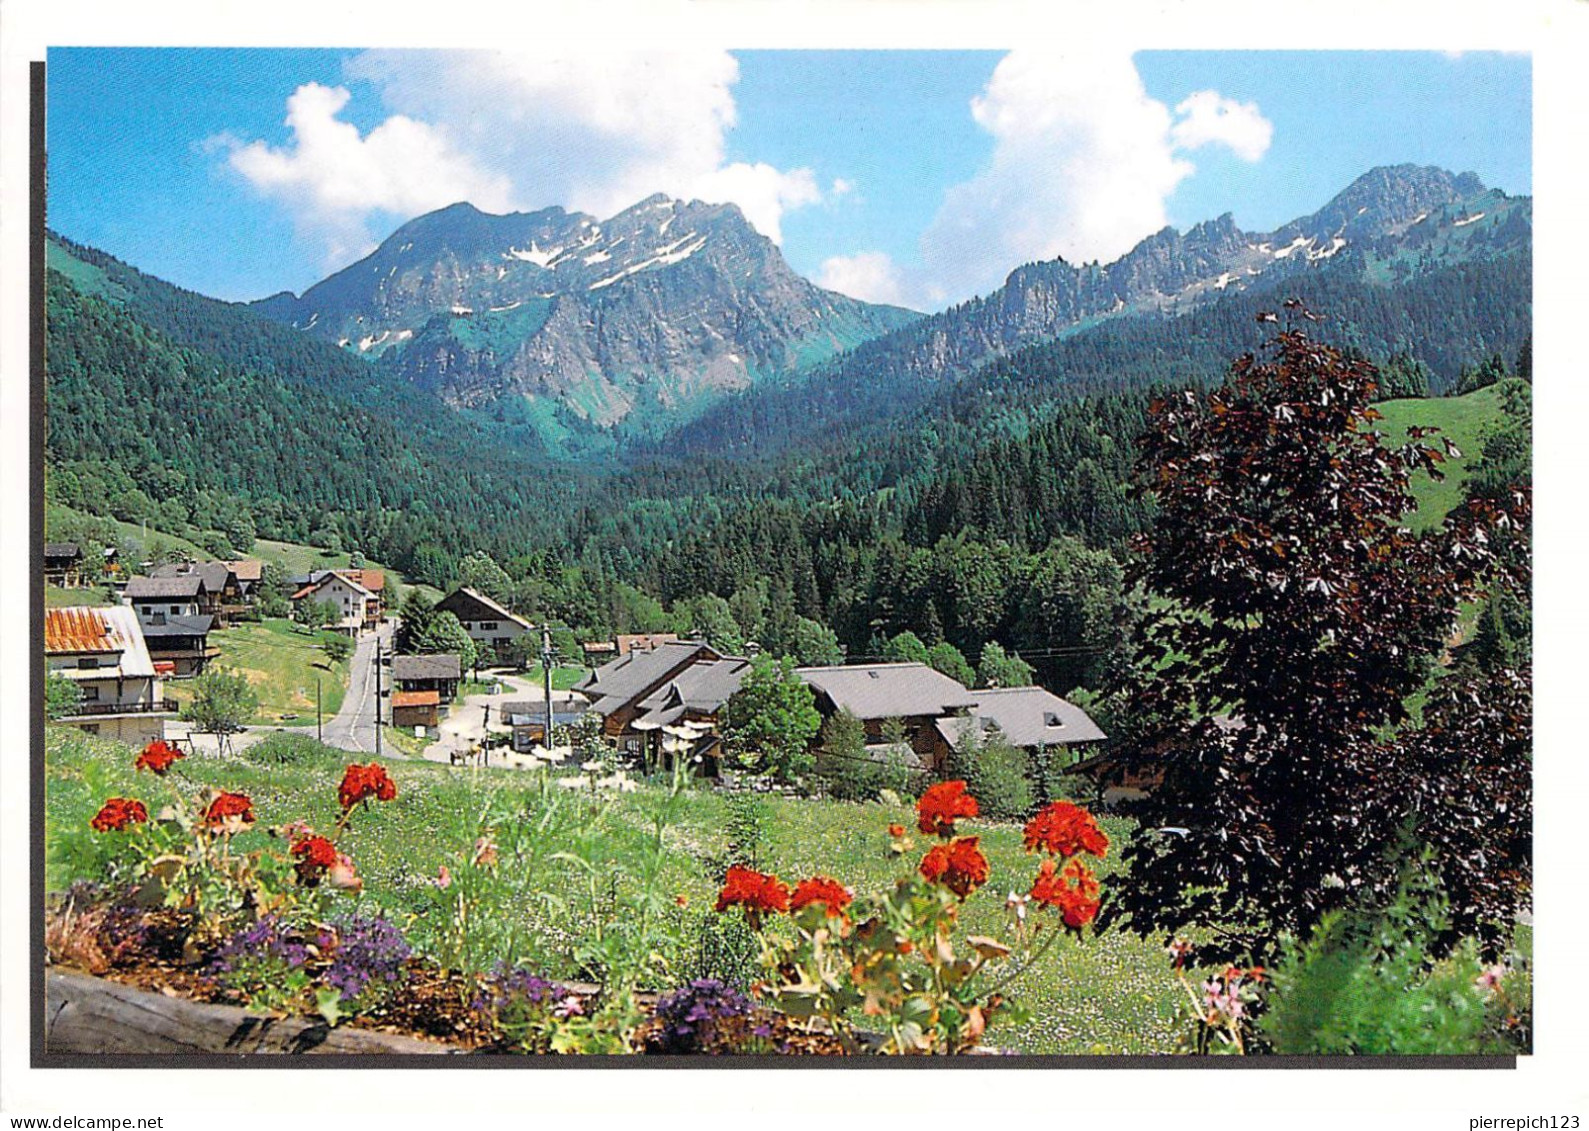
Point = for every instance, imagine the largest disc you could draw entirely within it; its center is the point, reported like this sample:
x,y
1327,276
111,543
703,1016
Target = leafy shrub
x,y
998,773
1364,983
286,748
721,948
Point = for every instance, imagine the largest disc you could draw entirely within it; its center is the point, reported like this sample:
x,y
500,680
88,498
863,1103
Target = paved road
x,y
353,728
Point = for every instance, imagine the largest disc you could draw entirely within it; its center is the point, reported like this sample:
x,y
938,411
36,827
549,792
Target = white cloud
x,y
871,276
594,132
1207,118
1083,163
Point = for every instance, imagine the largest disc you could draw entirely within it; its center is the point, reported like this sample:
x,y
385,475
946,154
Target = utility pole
x,y
377,694
546,673
319,734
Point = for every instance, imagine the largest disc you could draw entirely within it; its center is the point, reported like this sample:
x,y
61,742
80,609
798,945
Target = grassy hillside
x,y
1112,993
282,665
1461,419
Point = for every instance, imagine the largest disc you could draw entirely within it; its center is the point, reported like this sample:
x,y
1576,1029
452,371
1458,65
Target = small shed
x,y
438,672
416,709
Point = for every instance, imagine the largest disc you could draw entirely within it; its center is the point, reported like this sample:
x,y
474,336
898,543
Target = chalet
x,y
250,575
680,684
1028,717
180,646
642,641
420,709
439,673
63,564
359,606
102,651
157,598
220,598
483,619
914,694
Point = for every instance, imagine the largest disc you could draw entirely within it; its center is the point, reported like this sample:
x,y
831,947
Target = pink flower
x,y
343,875
443,878
1489,979
570,1006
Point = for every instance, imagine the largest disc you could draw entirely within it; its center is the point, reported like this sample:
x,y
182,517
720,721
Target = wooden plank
x,y
90,1015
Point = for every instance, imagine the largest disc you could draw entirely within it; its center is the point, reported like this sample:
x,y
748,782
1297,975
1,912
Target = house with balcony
x,y
486,621
102,651
358,606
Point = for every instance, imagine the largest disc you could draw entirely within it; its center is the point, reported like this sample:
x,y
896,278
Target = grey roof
x,y
441,665
532,712
888,691
62,550
180,626
703,687
157,588
215,574
1028,716
629,677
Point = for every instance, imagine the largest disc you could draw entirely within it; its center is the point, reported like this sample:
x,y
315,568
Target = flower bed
x,y
281,931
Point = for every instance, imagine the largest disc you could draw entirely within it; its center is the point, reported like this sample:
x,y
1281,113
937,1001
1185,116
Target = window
x,y
156,619
176,610
90,728
88,662
89,693
488,626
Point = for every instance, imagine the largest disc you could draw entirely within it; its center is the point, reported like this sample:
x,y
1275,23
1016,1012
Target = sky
x,y
914,177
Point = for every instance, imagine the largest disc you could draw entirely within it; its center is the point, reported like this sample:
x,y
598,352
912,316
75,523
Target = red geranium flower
x,y
158,756
896,831
229,813
942,805
1064,830
821,890
958,865
1071,890
117,813
360,783
753,891
316,855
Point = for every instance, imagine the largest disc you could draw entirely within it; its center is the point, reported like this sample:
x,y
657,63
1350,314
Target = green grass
x,y
564,676
1463,420
281,664
1112,993
57,598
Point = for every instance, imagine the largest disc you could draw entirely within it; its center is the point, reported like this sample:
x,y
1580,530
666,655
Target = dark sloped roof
x,y
701,687
441,665
886,691
180,626
62,550
156,588
629,677
215,574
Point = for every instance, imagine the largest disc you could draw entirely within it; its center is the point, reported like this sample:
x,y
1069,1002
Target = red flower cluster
x,y
959,865
229,812
942,805
316,856
753,891
362,782
1064,829
822,891
117,813
1071,890
158,756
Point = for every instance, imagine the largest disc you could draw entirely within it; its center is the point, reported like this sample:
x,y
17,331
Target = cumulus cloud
x,y
1083,163
1207,118
594,132
871,276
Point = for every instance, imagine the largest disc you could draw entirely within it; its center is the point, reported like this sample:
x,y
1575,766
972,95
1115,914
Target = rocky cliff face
x,y
659,309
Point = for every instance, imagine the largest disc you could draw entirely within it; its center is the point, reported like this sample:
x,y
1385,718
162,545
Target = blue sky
x,y
918,177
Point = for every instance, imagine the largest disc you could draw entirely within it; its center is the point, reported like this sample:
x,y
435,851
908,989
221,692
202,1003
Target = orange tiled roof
x,y
247,569
416,699
79,629
372,579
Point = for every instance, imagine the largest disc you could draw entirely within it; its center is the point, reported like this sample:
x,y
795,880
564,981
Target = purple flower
x,y
692,1015
368,952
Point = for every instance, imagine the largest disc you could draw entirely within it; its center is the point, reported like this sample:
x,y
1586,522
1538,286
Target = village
x,y
652,700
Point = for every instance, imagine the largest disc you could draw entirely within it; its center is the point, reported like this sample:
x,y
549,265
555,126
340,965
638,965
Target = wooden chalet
x,y
486,621
665,700
439,672
221,598
916,695
1029,717
63,564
